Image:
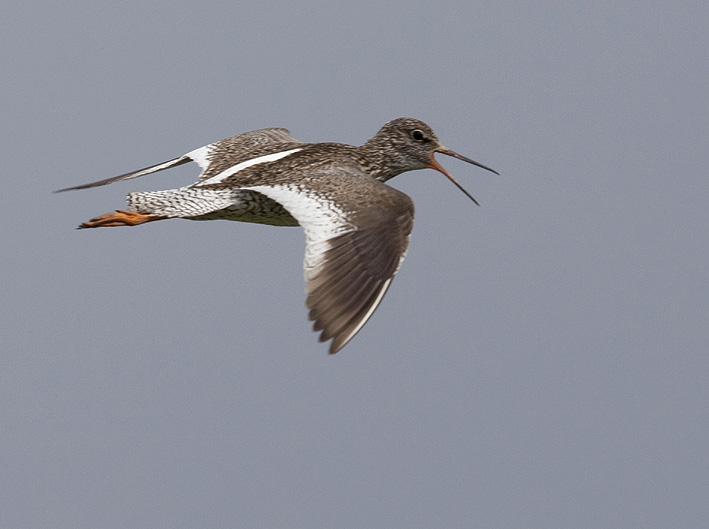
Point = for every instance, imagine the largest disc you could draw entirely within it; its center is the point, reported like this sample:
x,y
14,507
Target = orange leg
x,y
119,218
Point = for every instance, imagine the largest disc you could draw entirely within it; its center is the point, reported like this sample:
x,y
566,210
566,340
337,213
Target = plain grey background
x,y
540,361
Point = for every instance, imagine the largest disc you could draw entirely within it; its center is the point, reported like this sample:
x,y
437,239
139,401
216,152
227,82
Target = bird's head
x,y
409,144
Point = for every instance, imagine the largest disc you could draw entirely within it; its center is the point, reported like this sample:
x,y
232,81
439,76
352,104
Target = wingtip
x,y
76,188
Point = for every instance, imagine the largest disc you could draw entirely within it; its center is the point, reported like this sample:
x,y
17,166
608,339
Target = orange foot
x,y
119,218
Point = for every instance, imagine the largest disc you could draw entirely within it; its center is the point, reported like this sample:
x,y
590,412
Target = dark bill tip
x,y
461,157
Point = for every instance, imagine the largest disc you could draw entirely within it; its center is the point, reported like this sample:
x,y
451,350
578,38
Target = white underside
x,y
319,217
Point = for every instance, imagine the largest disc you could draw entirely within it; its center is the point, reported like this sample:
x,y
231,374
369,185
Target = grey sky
x,y
540,361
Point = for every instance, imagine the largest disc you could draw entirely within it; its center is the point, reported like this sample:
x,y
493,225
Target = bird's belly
x,y
250,206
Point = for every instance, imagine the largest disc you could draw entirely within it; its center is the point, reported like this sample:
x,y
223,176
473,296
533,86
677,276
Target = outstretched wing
x,y
357,233
215,157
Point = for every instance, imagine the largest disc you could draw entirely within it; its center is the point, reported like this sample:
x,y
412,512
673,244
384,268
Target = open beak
x,y
438,167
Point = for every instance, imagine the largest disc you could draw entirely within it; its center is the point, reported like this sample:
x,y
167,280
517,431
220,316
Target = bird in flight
x,y
357,228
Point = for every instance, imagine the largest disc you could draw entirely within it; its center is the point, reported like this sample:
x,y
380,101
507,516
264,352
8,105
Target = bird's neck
x,y
374,161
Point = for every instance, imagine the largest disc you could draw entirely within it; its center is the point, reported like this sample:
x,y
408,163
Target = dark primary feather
x,y
133,174
219,156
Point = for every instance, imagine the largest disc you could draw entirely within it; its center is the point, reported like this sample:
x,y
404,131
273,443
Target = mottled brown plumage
x,y
357,228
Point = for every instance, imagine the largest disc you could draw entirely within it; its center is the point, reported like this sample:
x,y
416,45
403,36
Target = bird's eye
x,y
417,135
